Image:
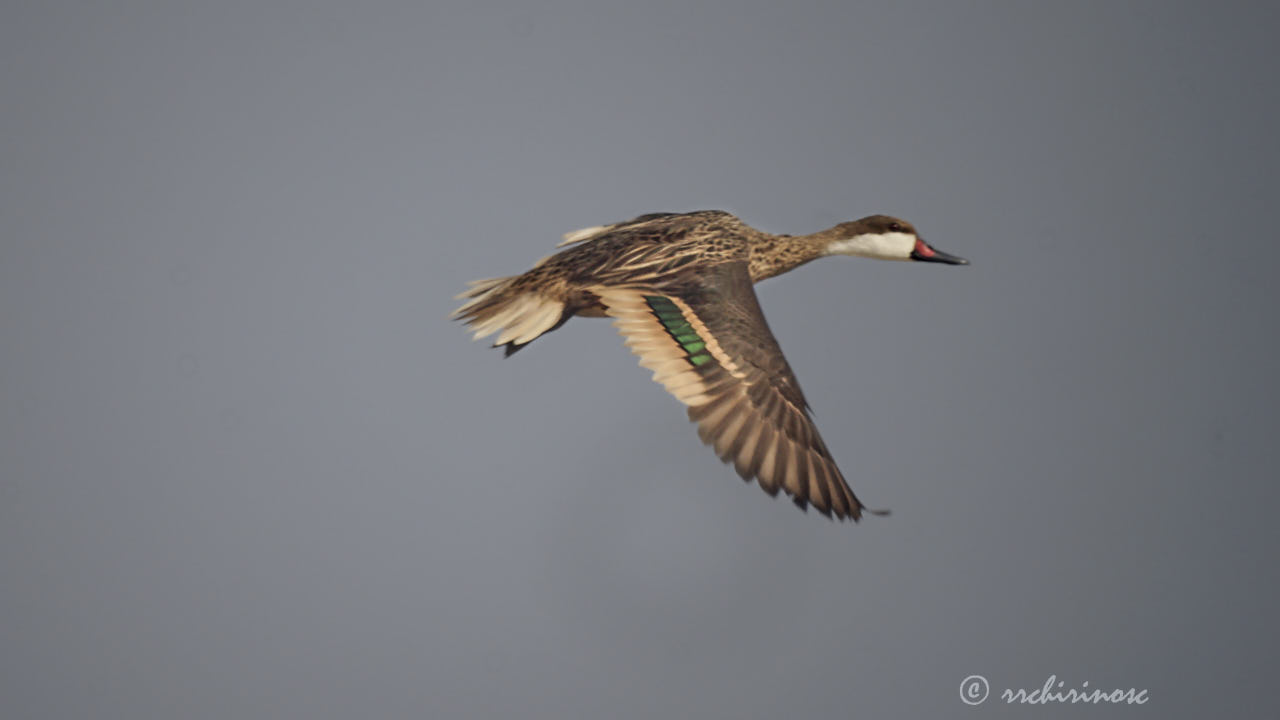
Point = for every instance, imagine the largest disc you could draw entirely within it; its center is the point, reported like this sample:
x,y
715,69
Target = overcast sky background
x,y
249,469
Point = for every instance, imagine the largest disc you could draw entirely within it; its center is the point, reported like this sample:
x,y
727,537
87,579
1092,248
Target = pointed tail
x,y
518,315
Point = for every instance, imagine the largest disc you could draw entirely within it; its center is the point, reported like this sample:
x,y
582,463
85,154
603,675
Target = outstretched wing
x,y
706,340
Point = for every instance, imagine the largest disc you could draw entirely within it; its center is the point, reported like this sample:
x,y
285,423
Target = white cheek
x,y
883,246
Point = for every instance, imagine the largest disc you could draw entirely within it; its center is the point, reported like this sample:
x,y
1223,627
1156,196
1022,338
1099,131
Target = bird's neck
x,y
775,254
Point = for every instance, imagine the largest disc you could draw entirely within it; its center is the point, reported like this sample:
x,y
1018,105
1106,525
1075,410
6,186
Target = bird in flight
x,y
679,287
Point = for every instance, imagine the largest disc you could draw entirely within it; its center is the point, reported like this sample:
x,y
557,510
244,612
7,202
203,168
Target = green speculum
x,y
679,329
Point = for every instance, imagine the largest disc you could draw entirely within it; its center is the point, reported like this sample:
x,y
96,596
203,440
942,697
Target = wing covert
x,y
706,340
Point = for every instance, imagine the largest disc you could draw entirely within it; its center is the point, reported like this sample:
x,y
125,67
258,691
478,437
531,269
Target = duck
x,y
680,290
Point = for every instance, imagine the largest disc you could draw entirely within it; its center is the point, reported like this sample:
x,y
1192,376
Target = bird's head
x,y
886,238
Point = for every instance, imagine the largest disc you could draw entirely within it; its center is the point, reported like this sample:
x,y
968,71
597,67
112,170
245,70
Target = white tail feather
x,y
517,319
478,291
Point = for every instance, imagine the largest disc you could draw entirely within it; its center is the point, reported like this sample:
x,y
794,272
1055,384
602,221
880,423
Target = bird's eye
x,y
896,227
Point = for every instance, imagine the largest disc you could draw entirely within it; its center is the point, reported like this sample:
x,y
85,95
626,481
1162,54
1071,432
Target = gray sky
x,y
249,469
